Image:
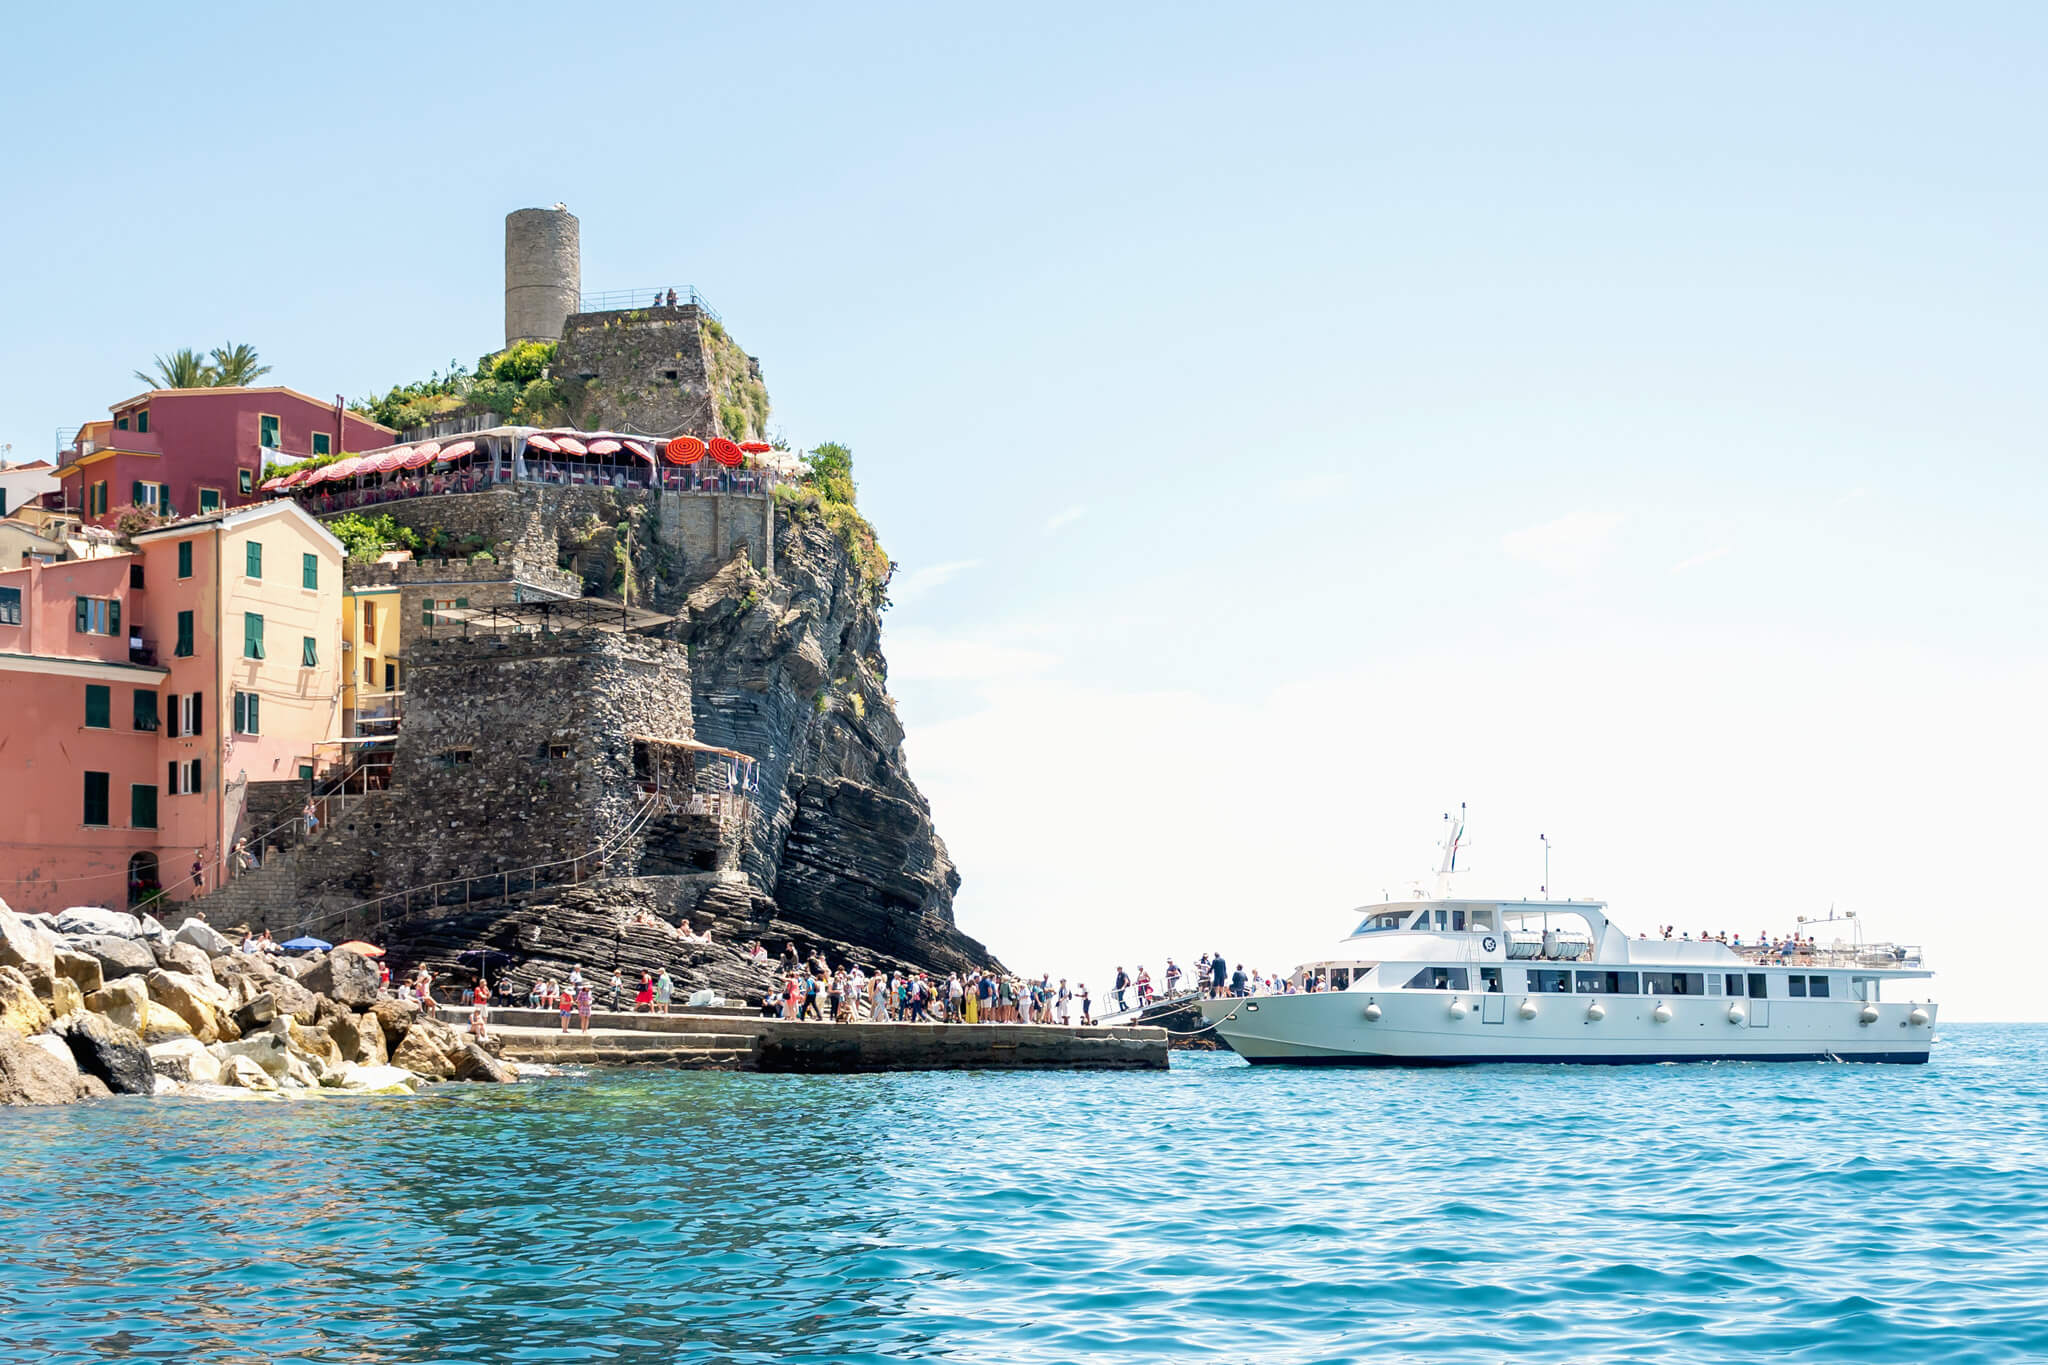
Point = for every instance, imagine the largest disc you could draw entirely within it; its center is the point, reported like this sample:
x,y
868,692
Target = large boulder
x,y
370,1049
396,1018
32,1074
472,1063
183,957
187,997
315,1041
92,919
204,937
267,1050
295,1000
372,1080
124,1000
102,1048
349,978
255,1013
117,956
26,942
81,969
185,1060
19,1008
65,997
246,1073
420,1052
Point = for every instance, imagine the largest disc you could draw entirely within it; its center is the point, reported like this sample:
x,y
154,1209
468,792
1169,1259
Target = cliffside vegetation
x,y
513,383
742,399
367,537
826,491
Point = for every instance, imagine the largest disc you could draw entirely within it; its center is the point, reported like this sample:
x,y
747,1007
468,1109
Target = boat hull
x,y
1439,1028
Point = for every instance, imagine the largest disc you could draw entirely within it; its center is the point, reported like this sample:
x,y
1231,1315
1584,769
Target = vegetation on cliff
x,y
826,491
513,383
742,399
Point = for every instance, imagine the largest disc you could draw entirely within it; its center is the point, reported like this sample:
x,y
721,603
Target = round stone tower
x,y
543,273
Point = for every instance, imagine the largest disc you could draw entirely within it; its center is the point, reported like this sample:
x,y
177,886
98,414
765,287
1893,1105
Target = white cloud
x,y
1705,557
907,588
1060,521
1571,544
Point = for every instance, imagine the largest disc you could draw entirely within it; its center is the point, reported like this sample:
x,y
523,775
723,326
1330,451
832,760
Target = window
x,y
252,559
1439,979
10,606
558,751
309,652
96,499
209,500
184,778
1758,986
248,713
390,676
1489,980
121,422
98,616
252,635
1674,983
145,709
184,559
1607,983
1795,986
322,443
245,479
99,706
142,421
309,571
184,646
456,758
135,575
1732,982
1817,987
266,432
370,623
95,798
1546,982
186,715
141,806
305,772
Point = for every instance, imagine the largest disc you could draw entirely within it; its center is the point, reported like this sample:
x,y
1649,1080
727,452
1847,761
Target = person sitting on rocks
x,y
756,953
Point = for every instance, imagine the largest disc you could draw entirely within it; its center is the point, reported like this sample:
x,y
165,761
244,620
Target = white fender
x,y
1596,1011
1867,1015
1735,1014
1372,1011
1918,1016
1662,1014
1527,1009
1459,1009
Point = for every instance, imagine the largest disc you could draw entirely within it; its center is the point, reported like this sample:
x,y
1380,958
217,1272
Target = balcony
x,y
142,652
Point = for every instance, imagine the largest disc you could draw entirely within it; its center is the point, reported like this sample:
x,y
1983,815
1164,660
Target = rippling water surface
x,y
1712,1213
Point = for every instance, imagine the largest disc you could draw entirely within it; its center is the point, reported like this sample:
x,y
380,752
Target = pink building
x,y
186,452
144,692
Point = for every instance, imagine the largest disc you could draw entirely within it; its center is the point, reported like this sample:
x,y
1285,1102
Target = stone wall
x,y
665,371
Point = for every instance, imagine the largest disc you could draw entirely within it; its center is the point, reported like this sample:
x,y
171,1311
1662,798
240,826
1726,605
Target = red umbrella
x,y
683,450
569,445
756,447
455,452
604,447
546,443
640,450
269,485
346,467
727,452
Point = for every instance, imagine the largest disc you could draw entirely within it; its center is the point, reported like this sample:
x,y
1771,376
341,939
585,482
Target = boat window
x,y
1674,983
1758,986
1386,919
1713,983
1340,977
1795,986
1546,982
1482,919
1421,920
1733,982
1863,987
1489,980
1606,983
1817,987
1458,921
1443,919
1440,979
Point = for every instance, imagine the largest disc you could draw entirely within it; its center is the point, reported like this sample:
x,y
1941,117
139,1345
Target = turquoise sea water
x,y
1710,1213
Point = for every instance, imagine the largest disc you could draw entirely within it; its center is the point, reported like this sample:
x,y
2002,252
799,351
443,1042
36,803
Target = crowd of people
x,y
1762,948
811,988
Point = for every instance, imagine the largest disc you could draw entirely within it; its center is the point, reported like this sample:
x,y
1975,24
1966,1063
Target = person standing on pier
x,y
1123,983
583,1001
1219,972
1172,977
664,992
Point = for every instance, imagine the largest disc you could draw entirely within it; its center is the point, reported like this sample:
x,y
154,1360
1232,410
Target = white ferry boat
x,y
1443,981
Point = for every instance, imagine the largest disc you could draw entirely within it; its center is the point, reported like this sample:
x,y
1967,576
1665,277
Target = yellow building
x,y
372,685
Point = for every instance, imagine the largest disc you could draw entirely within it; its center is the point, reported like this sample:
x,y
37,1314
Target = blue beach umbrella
x,y
305,945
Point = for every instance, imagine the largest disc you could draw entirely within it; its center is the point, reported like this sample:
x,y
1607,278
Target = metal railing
x,y
622,300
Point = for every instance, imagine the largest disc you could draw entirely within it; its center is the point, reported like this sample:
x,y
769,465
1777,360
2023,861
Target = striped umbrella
x,y
727,452
683,450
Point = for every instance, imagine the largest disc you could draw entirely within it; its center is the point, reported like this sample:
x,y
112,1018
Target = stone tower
x,y
543,273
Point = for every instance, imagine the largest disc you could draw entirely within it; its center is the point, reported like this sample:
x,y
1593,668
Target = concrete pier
x,y
746,1042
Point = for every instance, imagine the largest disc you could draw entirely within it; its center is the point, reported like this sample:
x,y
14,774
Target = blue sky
x,y
1290,421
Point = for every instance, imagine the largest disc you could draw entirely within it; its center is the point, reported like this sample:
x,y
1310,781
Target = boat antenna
x,y
1454,840
1546,865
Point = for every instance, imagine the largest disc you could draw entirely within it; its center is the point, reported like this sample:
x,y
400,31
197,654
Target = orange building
x,y
140,694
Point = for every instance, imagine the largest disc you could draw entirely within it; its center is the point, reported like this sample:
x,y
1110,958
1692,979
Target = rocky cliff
x,y
834,845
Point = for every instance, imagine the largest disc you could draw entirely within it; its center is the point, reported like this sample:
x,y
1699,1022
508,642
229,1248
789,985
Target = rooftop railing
x,y
621,300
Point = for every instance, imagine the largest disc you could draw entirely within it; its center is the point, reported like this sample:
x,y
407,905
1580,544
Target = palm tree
x,y
235,366
181,369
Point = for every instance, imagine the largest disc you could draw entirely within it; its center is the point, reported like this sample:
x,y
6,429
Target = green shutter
x,y
322,443
142,806
255,713
137,490
268,438
114,616
198,713
142,420
209,499
241,713
252,635
427,612
185,631
184,559
309,656
145,709
99,706
254,558
82,619
309,571
96,798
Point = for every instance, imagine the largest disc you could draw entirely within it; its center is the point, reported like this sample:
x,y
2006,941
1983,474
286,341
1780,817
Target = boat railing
x,y
1869,955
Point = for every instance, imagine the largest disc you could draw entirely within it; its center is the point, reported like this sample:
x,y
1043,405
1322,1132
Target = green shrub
x,y
367,537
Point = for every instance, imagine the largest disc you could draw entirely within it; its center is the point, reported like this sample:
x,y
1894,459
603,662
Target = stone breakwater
x,y
97,1002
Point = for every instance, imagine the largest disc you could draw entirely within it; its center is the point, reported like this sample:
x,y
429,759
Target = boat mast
x,y
1454,840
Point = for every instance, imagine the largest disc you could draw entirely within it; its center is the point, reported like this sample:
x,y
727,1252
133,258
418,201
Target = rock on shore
x,y
98,1002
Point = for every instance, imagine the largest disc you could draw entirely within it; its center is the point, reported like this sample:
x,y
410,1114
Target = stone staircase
x,y
628,1047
